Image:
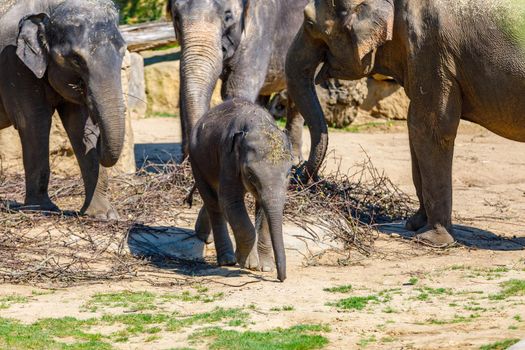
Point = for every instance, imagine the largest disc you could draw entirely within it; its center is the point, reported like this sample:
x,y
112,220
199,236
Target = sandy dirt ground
x,y
418,298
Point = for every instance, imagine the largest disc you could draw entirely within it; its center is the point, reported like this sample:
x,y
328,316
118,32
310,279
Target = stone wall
x,y
62,158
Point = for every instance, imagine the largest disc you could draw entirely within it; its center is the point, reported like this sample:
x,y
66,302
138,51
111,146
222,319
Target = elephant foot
x,y
416,221
226,259
436,237
301,175
251,262
45,205
101,209
266,263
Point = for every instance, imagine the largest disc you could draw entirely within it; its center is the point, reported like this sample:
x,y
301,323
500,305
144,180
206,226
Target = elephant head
x,y
265,159
209,32
78,48
344,36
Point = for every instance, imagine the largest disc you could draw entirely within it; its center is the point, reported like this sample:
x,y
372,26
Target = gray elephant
x,y
236,148
64,55
244,42
456,60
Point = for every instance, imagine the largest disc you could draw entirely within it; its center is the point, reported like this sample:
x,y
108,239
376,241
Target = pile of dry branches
x,y
37,248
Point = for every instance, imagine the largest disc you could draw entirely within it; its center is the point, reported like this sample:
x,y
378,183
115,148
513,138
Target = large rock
x,y
62,158
386,99
342,101
137,100
163,82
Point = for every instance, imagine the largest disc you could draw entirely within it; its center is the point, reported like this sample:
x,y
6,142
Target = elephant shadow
x,y
465,235
176,249
152,157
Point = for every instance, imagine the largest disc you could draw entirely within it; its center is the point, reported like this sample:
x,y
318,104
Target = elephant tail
x,y
189,198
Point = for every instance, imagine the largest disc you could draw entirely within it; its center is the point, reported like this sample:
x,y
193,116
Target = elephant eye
x,y
228,16
76,60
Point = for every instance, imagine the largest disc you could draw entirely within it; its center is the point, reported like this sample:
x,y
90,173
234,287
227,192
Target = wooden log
x,y
147,36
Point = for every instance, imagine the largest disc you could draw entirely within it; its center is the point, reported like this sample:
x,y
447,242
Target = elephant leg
x,y
83,135
264,240
34,134
419,219
203,227
232,202
433,123
213,213
294,127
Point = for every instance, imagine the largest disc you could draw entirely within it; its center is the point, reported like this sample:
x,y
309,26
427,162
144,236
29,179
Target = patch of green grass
x,y
354,303
284,308
47,333
166,47
517,318
390,310
456,319
339,289
499,345
387,340
364,342
412,281
218,314
165,115
138,301
513,327
368,126
426,292
142,300
301,337
510,288
7,301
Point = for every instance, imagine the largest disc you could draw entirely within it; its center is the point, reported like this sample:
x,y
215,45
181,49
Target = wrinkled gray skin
x,y
455,58
243,42
236,148
65,56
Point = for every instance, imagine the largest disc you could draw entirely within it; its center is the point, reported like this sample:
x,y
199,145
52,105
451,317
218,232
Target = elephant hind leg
x,y
216,220
203,227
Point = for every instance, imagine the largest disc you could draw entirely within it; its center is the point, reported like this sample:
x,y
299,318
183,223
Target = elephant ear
x,y
371,25
32,46
235,140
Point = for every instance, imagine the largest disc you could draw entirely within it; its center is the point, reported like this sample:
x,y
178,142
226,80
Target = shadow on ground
x,y
178,250
152,156
465,235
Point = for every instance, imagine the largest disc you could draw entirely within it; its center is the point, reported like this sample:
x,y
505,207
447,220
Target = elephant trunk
x,y
200,67
273,206
304,56
106,106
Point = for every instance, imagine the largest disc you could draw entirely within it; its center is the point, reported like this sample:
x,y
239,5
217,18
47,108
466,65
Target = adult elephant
x,y
64,55
243,42
455,59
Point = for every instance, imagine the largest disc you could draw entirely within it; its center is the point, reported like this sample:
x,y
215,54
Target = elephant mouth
x,y
323,74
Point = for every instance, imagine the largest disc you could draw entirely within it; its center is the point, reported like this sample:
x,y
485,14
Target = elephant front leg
x,y
232,202
34,135
432,132
294,127
419,219
83,135
264,241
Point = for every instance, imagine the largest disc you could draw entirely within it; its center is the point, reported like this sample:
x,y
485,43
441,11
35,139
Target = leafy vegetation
x,y
138,11
301,337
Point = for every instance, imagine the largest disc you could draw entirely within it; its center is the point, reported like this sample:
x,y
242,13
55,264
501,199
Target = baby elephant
x,y
236,148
